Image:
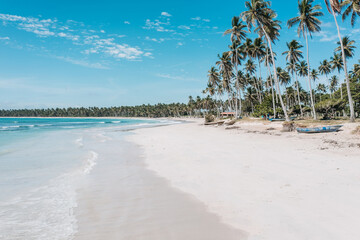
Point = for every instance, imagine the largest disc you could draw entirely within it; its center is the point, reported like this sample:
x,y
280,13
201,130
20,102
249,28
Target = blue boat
x,y
334,128
279,119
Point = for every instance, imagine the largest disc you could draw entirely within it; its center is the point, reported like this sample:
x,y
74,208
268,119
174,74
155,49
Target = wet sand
x,y
122,199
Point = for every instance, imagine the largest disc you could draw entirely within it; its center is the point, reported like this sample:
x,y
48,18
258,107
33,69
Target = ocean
x,y
42,163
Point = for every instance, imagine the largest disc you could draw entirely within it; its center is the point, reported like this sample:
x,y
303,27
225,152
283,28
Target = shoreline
x,y
122,199
270,184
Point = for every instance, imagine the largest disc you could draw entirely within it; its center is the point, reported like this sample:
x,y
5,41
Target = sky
x,y
114,52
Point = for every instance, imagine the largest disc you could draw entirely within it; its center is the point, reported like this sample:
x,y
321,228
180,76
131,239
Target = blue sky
x,y
110,53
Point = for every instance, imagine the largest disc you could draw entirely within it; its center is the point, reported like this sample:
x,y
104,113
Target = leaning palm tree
x,y
260,15
338,64
334,8
238,33
308,24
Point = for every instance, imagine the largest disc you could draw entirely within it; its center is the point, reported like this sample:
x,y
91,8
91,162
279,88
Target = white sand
x,y
122,200
280,186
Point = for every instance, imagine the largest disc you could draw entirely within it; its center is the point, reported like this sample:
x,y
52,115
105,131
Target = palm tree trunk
x,y
260,80
275,75
341,93
351,103
237,85
298,94
272,87
309,81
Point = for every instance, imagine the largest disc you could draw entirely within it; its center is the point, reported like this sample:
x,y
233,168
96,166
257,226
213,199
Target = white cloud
x,y
82,63
86,38
206,20
157,25
160,40
183,27
166,14
196,18
127,22
4,38
326,36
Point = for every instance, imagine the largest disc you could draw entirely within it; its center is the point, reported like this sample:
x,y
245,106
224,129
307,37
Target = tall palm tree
x,y
258,53
214,80
334,81
321,88
225,67
338,64
334,8
285,80
238,33
293,56
325,69
241,82
268,61
308,24
260,15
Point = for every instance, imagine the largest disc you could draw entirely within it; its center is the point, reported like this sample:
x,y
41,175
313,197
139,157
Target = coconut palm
x,y
325,69
260,15
258,53
235,57
293,55
334,8
225,67
308,24
338,64
214,81
284,79
314,75
268,61
238,33
321,88
351,7
334,81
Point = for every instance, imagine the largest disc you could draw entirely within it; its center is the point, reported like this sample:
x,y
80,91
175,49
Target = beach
x,y
177,179
267,184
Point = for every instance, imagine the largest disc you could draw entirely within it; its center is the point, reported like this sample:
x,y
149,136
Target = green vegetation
x,y
240,70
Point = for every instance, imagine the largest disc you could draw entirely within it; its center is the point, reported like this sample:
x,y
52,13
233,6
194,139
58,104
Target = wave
x,y
90,162
41,214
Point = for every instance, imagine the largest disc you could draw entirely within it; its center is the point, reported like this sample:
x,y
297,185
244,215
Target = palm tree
x,y
268,61
325,69
258,52
334,7
353,8
321,88
260,15
333,83
308,23
214,80
238,33
338,64
284,79
225,67
293,56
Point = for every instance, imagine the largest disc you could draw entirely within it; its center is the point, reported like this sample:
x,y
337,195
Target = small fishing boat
x,y
277,119
334,128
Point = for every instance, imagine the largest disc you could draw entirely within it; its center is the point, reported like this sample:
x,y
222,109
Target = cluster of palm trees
x,y
238,72
158,110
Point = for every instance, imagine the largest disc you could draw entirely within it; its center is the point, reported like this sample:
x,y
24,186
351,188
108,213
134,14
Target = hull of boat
x,y
319,129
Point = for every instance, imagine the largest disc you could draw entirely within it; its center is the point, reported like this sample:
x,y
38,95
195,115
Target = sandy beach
x,y
259,180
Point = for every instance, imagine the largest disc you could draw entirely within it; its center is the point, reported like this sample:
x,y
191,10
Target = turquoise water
x,y
41,162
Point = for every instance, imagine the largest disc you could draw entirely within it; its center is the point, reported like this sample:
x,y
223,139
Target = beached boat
x,y
276,119
334,128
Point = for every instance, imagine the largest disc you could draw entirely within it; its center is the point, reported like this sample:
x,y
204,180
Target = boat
x,y
280,119
334,128
276,119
